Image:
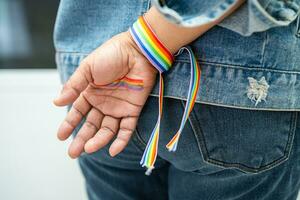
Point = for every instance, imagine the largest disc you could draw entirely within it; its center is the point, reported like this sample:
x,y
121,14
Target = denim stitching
x,y
267,19
138,140
61,62
63,54
263,51
244,168
236,66
194,133
230,106
199,137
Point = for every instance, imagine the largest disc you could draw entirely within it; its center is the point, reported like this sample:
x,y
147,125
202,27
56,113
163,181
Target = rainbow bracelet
x,y
161,58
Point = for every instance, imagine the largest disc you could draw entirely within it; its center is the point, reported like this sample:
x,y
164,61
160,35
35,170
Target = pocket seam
x,y
205,155
138,141
198,142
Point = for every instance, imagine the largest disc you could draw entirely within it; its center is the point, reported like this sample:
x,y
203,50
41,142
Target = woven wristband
x,y
161,58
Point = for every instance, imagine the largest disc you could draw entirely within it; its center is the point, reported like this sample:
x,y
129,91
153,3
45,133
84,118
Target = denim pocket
x,y
249,140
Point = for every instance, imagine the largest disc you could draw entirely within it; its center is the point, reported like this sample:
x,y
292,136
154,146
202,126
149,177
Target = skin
x,y
112,112
109,112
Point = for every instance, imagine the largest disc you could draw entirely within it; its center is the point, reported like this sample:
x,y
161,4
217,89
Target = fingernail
x,y
112,154
88,147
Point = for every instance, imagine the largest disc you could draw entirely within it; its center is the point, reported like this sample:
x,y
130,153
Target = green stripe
x,y
150,47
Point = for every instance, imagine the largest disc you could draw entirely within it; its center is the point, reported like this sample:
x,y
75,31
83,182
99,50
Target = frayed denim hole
x,y
257,90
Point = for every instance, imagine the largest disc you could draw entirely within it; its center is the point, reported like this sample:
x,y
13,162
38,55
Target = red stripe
x,y
197,85
154,38
133,80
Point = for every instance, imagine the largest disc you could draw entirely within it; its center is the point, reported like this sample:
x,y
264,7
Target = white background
x,y
33,164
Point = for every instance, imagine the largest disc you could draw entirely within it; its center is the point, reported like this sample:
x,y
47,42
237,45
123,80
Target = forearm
x,y
174,36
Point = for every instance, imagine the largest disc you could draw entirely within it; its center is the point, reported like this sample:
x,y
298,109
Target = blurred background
x,y
34,164
26,33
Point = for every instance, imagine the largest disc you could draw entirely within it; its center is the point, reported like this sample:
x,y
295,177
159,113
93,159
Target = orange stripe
x,y
152,155
172,140
197,86
129,83
133,80
154,39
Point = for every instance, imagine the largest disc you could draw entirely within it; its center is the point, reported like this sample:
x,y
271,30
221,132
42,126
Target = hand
x,y
110,111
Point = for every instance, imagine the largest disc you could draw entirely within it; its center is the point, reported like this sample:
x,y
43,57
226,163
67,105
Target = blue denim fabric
x,y
236,146
224,154
252,16
227,59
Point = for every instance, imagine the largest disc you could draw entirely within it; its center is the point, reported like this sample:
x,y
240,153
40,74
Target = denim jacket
x,y
252,16
251,60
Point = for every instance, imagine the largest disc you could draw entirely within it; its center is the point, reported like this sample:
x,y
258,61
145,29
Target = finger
x,y
88,130
79,109
75,85
108,130
126,130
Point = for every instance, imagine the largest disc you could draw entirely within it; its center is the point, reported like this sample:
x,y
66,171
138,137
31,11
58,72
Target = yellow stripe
x,y
154,45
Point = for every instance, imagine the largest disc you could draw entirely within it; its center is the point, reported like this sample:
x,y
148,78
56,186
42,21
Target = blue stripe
x,y
139,31
147,53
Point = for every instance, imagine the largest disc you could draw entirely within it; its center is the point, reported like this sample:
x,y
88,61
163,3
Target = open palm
x,y
109,88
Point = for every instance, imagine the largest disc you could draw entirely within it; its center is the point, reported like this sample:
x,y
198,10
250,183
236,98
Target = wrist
x,y
150,45
135,51
172,35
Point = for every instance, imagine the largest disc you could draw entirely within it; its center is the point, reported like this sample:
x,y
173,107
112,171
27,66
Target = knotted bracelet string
x,y
191,99
161,58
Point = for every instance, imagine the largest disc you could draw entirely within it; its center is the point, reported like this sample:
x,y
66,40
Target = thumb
x,y
75,85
